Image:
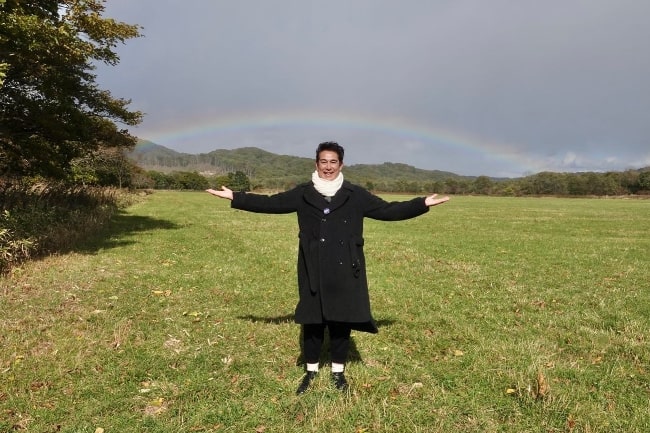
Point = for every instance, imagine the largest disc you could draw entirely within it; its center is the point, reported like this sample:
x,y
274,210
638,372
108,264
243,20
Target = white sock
x,y
312,367
337,368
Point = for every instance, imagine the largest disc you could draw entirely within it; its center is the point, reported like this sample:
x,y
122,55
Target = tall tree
x,y
51,109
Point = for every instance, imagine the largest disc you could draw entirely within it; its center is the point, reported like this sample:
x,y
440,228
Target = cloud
x,y
558,85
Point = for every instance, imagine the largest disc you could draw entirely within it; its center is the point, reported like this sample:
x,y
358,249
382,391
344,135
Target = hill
x,y
260,164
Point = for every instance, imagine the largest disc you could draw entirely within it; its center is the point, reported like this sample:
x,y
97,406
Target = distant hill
x,y
260,164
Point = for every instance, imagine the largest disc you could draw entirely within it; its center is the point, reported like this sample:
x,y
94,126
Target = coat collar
x,y
314,198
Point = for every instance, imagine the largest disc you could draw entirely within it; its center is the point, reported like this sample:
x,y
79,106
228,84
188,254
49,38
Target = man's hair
x,y
331,146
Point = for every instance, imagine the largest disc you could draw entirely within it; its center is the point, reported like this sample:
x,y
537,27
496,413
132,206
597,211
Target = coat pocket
x,y
356,253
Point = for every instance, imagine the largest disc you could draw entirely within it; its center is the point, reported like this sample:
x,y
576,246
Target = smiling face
x,y
328,165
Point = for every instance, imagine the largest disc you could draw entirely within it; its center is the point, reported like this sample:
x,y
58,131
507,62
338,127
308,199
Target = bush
x,y
38,218
13,250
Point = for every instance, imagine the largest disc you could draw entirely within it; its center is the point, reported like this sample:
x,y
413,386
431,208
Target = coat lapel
x,y
315,199
341,196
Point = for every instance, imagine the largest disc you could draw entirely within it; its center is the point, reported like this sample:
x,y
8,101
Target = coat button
x,y
323,220
322,240
326,210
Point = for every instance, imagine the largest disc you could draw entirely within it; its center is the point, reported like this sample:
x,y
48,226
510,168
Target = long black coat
x,y
332,282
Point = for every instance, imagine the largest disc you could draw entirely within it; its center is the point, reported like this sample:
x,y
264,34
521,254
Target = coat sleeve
x,y
379,209
284,202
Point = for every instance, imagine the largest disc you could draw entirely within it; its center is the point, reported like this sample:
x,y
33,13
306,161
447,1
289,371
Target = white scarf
x,y
327,187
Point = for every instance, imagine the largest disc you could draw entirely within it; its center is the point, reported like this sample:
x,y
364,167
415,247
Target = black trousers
x,y
314,334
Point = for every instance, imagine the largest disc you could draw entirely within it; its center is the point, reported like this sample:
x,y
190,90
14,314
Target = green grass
x,y
179,319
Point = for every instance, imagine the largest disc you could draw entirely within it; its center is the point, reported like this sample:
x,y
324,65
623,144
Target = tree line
x,y
544,183
629,182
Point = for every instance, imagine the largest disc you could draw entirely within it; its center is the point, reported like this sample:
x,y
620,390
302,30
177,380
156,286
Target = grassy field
x,y
496,315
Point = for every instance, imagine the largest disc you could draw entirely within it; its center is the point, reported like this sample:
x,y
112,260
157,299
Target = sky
x,y
501,88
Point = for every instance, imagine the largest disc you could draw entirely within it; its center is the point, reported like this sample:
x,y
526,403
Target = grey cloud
x,y
562,85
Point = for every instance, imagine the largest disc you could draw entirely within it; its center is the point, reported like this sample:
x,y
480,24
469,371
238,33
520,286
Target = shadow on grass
x,y
288,318
353,357
279,320
120,230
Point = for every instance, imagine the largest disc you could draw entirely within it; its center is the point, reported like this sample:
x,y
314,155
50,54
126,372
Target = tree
x,y
189,180
51,109
644,180
577,184
160,180
482,185
629,181
104,167
238,181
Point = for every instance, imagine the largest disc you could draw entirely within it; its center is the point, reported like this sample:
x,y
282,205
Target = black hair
x,y
331,146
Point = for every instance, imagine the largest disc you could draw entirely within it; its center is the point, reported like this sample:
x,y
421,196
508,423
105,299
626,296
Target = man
x,y
332,284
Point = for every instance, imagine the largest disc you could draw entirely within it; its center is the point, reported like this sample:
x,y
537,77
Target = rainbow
x,y
404,132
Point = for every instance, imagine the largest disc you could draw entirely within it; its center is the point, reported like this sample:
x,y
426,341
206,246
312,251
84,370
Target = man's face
x,y
328,165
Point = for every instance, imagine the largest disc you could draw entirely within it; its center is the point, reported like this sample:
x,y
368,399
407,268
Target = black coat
x,y
332,282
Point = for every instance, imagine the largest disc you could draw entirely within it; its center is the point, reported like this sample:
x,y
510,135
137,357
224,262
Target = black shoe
x,y
306,381
339,381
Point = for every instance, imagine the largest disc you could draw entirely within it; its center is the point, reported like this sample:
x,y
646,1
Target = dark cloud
x,y
518,86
